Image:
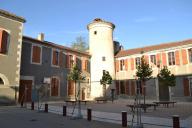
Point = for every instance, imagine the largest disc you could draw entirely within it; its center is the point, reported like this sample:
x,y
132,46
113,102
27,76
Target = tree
x,y
166,78
76,75
144,72
80,44
106,79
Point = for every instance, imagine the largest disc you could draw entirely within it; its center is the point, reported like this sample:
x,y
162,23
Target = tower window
x,y
103,58
95,32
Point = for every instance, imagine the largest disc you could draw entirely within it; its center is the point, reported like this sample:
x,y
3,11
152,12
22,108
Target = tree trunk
x,y
104,90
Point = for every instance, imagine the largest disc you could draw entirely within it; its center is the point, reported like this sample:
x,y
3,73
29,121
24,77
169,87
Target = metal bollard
x,y
124,119
89,114
176,123
21,103
46,108
64,110
32,105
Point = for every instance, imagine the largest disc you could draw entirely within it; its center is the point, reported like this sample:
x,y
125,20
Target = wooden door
x,y
54,87
25,90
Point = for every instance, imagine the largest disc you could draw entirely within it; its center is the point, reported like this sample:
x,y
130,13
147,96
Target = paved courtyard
x,y
15,117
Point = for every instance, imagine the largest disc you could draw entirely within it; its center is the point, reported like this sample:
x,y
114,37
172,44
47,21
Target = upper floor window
x,y
138,61
55,57
4,41
153,59
71,61
190,55
122,65
171,58
36,54
95,32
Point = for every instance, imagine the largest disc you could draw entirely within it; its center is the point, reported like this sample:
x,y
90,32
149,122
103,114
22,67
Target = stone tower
x,y
101,49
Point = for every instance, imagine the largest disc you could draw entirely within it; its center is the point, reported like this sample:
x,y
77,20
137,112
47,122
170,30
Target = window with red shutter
x,y
55,58
36,54
4,40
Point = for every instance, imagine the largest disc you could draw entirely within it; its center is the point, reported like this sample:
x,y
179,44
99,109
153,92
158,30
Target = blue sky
x,y
138,22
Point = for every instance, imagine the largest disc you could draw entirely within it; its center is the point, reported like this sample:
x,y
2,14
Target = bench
x,y
101,100
143,106
73,101
165,103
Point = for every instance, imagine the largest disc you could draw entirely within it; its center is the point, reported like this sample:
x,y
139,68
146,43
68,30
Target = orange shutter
x,y
186,87
36,56
158,58
132,64
184,56
54,58
71,88
177,58
117,87
117,65
67,61
126,64
132,88
146,59
164,59
127,87
60,58
3,41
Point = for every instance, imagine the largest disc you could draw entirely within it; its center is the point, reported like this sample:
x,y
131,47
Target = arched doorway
x,y
1,81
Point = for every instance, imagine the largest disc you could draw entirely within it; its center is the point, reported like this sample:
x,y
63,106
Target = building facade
x,y
45,66
176,56
11,27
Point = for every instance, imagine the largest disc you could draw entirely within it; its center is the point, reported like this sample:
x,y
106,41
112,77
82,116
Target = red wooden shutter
x,y
164,59
132,64
36,54
60,58
186,87
67,61
177,58
117,65
158,58
3,41
54,58
127,87
117,87
126,64
184,56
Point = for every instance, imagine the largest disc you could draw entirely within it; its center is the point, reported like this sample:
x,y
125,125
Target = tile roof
x,y
57,46
11,16
152,48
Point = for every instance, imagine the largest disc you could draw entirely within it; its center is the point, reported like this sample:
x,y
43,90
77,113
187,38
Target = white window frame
x,y
171,58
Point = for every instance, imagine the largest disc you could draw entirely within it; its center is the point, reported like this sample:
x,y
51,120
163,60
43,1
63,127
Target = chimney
x,y
41,36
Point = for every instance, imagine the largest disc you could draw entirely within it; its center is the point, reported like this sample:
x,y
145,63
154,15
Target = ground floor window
x,y
122,87
71,88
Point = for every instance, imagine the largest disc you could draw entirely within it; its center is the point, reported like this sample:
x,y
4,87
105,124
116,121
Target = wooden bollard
x,y
32,105
124,119
46,108
89,114
64,111
176,123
